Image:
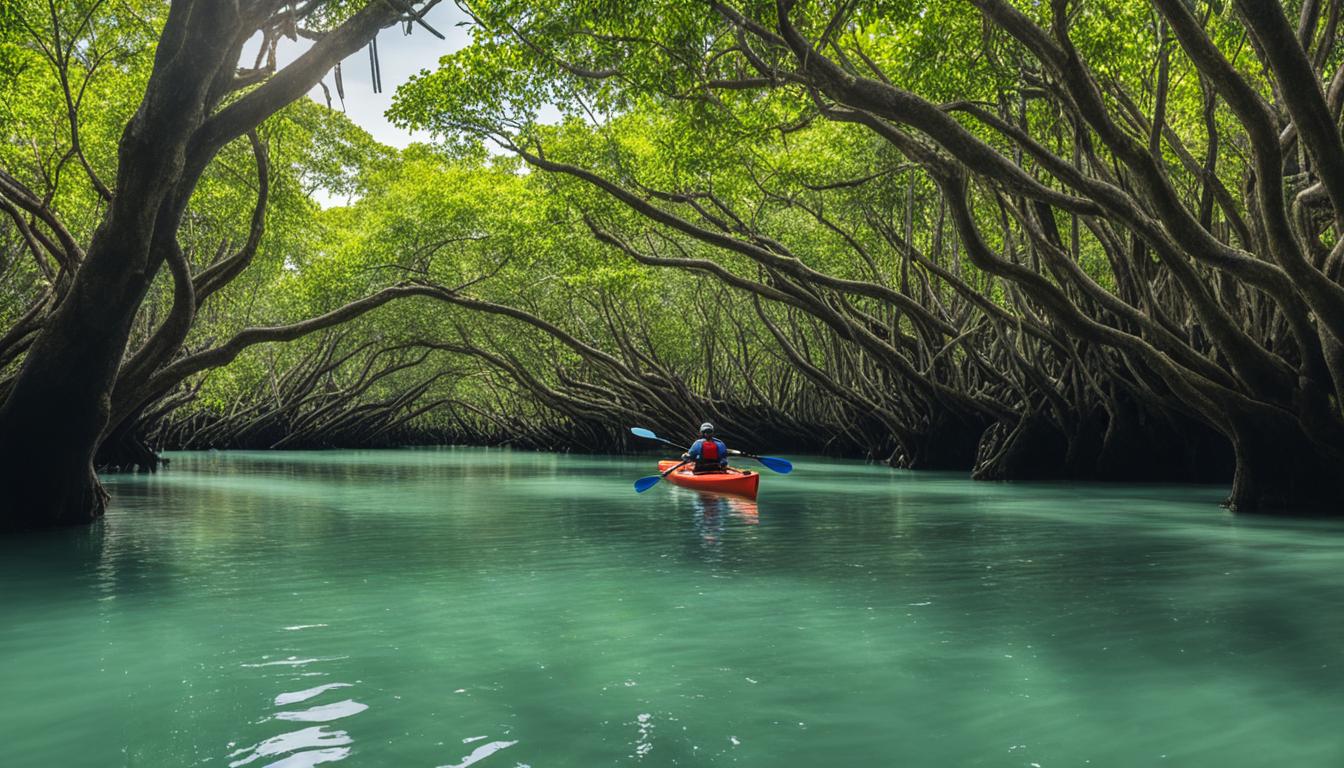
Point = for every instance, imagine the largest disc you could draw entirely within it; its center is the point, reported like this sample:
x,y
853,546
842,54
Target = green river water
x,y
455,607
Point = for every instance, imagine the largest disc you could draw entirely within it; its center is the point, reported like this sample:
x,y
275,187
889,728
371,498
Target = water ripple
x,y
324,713
309,746
480,753
316,737
294,697
911,619
311,758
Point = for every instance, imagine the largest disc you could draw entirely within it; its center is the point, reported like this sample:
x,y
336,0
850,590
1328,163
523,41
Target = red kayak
x,y
739,482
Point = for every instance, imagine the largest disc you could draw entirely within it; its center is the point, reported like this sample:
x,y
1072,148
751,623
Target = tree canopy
x,y
1026,240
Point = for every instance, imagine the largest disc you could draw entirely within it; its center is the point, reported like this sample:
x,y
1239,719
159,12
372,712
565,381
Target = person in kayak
x,y
709,452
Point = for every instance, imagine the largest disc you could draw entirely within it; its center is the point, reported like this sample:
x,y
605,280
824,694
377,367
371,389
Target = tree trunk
x,y
1032,449
55,414
949,443
52,420
1280,470
124,449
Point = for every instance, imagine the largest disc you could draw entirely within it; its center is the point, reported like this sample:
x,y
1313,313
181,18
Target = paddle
x,y
782,466
648,434
645,483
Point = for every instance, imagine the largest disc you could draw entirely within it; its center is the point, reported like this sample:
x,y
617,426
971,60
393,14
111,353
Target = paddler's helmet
x,y
706,428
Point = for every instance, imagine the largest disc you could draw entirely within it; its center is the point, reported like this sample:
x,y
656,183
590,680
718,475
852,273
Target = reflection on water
x,y
311,758
712,511
324,713
480,753
307,746
717,505
326,745
495,609
294,697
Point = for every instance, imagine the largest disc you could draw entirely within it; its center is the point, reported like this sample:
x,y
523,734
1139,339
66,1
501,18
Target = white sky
x,y
399,57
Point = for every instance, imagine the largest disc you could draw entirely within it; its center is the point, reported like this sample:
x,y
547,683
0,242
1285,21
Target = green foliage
x,y
656,96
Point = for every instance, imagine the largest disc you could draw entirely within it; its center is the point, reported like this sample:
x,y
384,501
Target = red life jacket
x,y
709,450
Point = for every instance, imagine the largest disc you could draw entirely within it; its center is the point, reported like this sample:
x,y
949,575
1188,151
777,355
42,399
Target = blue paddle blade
x,y
642,432
781,466
645,483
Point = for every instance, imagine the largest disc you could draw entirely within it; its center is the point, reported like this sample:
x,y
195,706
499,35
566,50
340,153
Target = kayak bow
x,y
734,481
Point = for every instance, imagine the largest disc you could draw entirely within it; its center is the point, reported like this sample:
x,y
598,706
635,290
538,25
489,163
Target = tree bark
x,y
55,413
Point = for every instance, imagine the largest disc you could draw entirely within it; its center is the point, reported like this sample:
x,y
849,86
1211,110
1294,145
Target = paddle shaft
x,y
670,470
645,483
770,462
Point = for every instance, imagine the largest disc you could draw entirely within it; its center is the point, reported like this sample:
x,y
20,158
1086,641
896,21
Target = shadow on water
x,y
102,560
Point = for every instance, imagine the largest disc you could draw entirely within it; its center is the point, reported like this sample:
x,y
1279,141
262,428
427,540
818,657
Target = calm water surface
x,y
470,607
